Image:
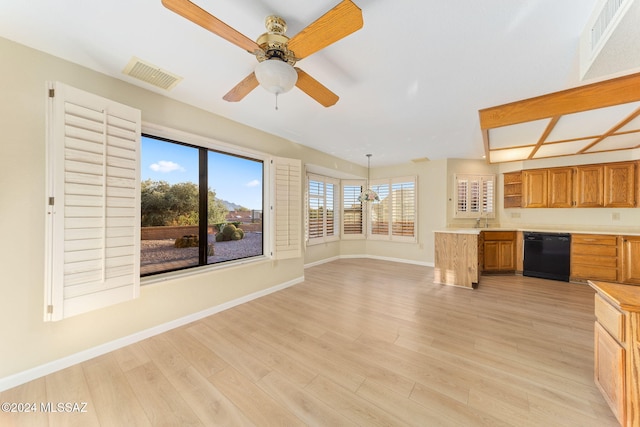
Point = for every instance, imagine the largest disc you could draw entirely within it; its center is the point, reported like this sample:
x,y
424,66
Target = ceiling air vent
x,y
608,35
604,19
151,74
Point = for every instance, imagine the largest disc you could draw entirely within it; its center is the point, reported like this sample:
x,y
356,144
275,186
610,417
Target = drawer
x,y
499,235
595,261
593,272
610,318
595,239
601,250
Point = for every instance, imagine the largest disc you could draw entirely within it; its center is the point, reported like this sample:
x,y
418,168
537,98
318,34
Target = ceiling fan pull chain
x,y
276,101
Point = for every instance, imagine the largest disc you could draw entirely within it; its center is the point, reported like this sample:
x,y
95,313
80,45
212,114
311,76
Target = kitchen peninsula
x,y
456,258
462,255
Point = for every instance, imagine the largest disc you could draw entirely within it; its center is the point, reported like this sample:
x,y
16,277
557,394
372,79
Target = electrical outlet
x,y
615,216
515,214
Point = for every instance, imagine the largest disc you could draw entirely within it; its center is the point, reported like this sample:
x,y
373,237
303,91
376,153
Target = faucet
x,y
477,223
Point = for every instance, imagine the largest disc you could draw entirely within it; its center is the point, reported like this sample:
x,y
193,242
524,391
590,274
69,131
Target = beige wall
x,y
27,341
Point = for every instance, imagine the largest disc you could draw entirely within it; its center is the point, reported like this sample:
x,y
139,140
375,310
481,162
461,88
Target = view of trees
x,y
164,204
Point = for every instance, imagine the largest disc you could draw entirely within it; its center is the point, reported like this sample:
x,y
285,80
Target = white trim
x,y
56,365
381,258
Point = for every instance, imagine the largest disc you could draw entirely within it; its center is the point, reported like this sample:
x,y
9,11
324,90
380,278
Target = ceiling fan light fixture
x,y
276,76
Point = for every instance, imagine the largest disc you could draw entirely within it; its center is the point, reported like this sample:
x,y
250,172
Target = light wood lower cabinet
x,y
609,370
594,257
631,259
499,251
617,349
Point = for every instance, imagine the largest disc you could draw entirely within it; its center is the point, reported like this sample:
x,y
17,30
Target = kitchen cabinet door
x,y
560,187
609,370
619,185
631,259
498,253
589,186
536,188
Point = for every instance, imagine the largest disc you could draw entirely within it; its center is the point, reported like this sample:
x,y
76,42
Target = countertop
x,y
627,297
535,229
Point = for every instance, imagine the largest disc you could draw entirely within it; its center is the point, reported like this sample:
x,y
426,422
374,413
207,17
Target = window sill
x,y
189,272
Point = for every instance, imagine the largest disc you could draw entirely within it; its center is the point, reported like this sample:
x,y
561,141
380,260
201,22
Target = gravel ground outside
x,y
163,251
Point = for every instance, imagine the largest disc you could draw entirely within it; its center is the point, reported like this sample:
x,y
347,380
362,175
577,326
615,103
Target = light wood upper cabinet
x,y
631,259
589,186
513,189
612,185
619,185
560,188
535,183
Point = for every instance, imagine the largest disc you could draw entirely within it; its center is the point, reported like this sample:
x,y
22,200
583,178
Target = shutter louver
x,y
380,210
93,231
316,209
288,208
330,215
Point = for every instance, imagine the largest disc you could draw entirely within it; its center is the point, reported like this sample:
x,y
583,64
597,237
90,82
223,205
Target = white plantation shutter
x,y
353,219
316,209
393,217
321,216
380,212
287,211
93,221
403,208
474,195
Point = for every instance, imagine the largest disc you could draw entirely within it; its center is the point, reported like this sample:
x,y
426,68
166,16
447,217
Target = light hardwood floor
x,y
360,342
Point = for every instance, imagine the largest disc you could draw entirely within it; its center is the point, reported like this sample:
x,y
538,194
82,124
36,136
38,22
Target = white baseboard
x,y
401,260
73,359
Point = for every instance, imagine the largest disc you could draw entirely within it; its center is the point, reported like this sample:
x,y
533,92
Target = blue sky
x,y
234,179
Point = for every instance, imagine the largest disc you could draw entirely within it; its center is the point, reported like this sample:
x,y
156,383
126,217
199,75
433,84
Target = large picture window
x,y
199,206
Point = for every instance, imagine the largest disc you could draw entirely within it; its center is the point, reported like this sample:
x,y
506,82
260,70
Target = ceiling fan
x,y
276,53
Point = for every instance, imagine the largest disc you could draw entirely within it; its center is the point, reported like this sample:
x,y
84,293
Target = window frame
x,y
203,186
281,239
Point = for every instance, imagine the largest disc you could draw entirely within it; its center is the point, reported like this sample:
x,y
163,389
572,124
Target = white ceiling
x,y
410,82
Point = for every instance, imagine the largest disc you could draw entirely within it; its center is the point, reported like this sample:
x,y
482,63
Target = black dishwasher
x,y
547,255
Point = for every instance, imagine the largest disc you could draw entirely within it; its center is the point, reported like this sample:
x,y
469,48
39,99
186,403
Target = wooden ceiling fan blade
x,y
339,22
242,89
315,89
201,17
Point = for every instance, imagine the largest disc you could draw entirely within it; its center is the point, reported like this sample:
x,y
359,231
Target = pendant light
x,y
368,195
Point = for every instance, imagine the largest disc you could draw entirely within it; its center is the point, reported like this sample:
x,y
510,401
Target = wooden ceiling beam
x,y
544,136
611,131
607,93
